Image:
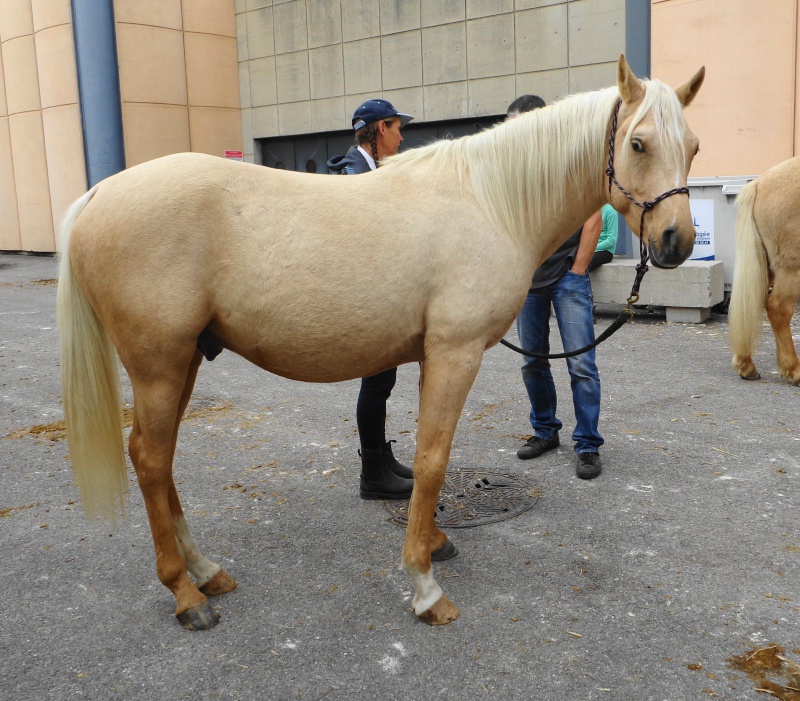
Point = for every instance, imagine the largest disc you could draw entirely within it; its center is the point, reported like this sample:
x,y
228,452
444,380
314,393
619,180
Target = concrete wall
x,y
298,67
746,112
305,65
41,145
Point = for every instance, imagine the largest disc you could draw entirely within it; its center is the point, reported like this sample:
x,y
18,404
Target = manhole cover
x,y
473,498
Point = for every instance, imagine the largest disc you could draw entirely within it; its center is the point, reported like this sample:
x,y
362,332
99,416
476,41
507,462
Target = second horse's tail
x,y
750,280
90,385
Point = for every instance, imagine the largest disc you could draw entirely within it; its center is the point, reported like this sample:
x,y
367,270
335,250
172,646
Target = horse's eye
x,y
637,146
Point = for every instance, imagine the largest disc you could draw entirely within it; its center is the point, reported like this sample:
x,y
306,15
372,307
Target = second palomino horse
x,y
285,270
767,272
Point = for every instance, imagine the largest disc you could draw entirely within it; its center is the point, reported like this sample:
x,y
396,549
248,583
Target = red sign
x,y
234,155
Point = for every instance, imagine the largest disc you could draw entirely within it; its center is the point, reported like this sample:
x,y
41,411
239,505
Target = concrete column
x,y
637,36
98,87
637,53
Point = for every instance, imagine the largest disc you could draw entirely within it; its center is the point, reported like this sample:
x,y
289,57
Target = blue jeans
x,y
571,298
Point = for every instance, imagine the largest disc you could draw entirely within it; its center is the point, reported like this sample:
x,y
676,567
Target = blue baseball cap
x,y
374,110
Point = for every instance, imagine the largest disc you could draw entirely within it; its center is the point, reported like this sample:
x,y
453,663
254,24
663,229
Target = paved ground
x,y
642,584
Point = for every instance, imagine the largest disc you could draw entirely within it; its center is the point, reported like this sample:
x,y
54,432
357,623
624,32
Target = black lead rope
x,y
624,316
641,267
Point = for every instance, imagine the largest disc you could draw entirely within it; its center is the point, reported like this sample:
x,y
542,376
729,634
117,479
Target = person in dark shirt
x,y
562,283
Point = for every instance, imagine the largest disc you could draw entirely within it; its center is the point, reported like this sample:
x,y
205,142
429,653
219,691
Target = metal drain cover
x,y
474,498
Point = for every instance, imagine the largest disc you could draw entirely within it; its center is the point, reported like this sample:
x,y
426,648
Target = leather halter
x,y
641,268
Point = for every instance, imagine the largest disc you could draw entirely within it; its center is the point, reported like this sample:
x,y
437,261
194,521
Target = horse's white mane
x,y
518,168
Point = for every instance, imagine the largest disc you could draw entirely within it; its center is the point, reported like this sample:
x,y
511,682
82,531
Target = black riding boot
x,y
397,467
378,481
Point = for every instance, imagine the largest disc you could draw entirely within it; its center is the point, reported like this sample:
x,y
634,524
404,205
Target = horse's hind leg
x,y
780,309
448,379
159,391
208,576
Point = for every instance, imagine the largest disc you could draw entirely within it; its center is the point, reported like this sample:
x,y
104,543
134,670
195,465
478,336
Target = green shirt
x,y
608,236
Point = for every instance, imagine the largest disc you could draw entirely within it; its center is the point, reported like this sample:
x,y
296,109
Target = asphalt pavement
x,y
655,582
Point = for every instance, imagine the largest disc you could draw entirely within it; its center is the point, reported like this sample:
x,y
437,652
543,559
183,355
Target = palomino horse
x,y
293,273
767,272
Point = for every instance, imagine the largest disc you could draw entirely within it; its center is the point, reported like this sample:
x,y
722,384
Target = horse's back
x,y
285,267
185,210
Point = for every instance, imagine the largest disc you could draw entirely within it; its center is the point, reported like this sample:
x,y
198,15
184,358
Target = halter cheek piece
x,y
641,268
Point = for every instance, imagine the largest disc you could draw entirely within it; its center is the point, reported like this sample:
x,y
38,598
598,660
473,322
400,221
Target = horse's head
x,y
653,150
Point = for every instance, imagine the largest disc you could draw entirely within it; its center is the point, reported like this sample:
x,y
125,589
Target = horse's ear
x,y
686,92
630,89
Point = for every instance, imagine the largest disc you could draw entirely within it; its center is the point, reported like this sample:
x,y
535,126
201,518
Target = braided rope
x,y
646,206
641,268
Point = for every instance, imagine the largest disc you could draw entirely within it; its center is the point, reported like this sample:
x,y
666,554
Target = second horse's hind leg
x,y
780,309
159,391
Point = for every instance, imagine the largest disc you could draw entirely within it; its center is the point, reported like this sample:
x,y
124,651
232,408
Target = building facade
x,y
279,79
746,115
305,66
177,70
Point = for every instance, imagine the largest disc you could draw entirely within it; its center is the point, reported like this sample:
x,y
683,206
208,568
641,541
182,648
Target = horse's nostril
x,y
669,240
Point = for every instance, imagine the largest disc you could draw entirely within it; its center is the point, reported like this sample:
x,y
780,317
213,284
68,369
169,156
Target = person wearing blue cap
x,y
377,126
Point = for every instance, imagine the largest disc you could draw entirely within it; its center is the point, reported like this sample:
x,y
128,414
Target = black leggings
x,y
371,408
599,258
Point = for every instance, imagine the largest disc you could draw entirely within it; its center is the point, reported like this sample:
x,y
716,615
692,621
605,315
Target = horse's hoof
x,y
745,367
441,613
220,583
792,375
200,617
446,551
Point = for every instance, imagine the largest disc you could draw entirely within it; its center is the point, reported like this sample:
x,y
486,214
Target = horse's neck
x,y
557,225
563,186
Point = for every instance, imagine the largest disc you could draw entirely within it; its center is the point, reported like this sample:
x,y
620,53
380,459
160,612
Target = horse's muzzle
x,y
671,248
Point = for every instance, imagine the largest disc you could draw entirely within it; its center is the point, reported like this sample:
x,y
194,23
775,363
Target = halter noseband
x,y
641,268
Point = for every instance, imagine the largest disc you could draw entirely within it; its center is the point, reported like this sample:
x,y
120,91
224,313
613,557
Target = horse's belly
x,y
323,351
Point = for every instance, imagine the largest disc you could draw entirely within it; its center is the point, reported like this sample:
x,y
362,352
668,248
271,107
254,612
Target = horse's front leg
x,y
448,378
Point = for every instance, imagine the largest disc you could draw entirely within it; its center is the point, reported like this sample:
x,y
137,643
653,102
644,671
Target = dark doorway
x,y
310,153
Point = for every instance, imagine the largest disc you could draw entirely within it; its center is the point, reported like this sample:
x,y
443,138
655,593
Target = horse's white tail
x,y
750,279
90,384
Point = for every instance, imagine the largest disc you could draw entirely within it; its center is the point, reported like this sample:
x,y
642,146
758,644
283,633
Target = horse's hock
x,y
688,292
